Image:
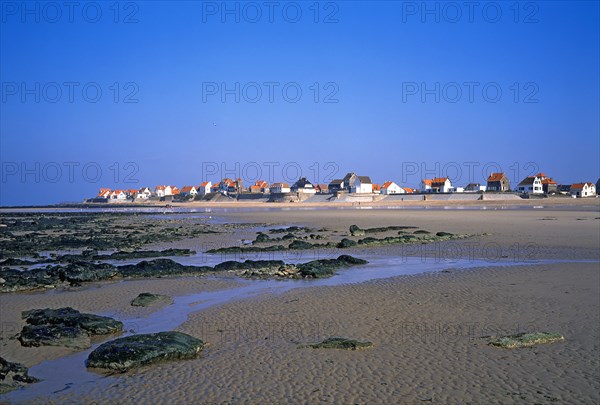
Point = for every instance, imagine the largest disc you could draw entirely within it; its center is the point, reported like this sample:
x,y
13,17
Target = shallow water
x,y
69,373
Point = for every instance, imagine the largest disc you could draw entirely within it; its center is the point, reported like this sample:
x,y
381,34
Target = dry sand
x,y
427,329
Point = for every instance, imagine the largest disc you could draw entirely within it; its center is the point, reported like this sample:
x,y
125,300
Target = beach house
x,y
280,188
436,185
498,182
548,184
104,193
389,187
583,190
144,193
530,185
303,186
118,195
474,188
336,185
163,191
189,191
204,187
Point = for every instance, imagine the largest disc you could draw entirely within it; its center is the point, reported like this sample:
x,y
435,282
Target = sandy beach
x,y
430,331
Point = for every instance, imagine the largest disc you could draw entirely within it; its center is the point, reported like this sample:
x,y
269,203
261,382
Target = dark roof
x,y
335,182
348,176
527,181
365,179
302,183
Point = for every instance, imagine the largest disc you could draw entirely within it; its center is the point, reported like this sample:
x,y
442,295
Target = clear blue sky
x,y
394,68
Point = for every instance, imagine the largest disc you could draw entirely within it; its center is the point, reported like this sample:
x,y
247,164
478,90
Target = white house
x,y
425,186
303,186
475,187
389,187
362,185
104,193
189,191
436,185
144,193
163,191
583,190
118,195
204,187
531,185
280,188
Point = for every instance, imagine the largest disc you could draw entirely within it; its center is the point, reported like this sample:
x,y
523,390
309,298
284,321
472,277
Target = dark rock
x,y
421,231
249,265
80,272
442,234
13,376
247,249
160,268
326,267
356,231
262,238
54,335
346,243
300,244
340,343
12,280
134,351
149,299
93,324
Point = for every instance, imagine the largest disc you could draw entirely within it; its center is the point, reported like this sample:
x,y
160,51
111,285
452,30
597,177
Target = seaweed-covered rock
x,y
134,351
80,272
12,280
249,265
93,324
442,234
526,340
160,268
54,335
326,267
340,343
346,243
262,238
13,376
300,244
149,299
356,231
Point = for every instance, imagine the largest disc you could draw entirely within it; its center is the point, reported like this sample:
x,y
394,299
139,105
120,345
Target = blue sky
x,y
405,91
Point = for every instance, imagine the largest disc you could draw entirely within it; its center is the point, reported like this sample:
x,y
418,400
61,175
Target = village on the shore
x,y
352,185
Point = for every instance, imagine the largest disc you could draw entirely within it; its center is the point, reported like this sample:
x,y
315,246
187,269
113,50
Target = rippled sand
x,y
427,329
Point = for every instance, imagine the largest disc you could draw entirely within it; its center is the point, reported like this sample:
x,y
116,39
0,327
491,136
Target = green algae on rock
x,y
340,343
138,350
149,299
526,340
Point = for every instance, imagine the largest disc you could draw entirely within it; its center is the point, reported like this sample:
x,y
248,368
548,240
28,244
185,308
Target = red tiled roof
x,y
387,184
581,185
496,177
204,183
409,190
427,182
187,189
548,180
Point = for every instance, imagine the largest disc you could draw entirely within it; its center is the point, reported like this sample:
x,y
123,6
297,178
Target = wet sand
x,y
426,328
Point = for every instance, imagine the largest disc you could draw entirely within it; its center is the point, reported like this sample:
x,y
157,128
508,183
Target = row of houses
x,y
355,184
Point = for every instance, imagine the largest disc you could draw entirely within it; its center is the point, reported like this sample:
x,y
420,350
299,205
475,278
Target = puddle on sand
x,y
67,374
